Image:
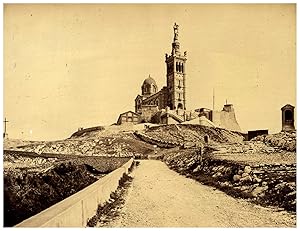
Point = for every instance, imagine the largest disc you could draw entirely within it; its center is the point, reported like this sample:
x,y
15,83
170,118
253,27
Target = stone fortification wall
x,y
206,122
86,130
147,112
226,119
182,133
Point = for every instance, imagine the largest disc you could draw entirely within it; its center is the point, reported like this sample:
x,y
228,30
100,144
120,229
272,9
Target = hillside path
x,y
160,197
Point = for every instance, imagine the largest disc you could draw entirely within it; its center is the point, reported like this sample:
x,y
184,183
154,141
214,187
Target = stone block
x,y
245,174
264,183
258,191
246,179
257,180
236,178
197,169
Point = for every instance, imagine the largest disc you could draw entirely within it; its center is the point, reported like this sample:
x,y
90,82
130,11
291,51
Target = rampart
x,y
86,130
226,118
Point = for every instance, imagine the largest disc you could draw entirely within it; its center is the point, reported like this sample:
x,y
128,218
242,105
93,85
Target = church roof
x,y
149,81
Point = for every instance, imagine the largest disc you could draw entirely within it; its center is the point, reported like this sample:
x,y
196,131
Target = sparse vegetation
x,y
26,194
47,172
110,210
32,185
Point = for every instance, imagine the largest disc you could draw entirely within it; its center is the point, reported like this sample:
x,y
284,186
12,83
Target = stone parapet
x,y
75,210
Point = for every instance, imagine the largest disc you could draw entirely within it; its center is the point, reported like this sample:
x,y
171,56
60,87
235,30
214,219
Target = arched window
x,y
154,88
182,68
179,67
180,106
288,115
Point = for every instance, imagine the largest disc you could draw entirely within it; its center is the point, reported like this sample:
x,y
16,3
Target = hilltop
x,y
89,154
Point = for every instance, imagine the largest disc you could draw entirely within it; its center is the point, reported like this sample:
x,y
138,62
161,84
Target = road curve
x,y
160,197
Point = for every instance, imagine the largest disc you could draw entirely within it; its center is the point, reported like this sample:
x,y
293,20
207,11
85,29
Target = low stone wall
x,y
160,143
270,184
266,184
87,130
75,210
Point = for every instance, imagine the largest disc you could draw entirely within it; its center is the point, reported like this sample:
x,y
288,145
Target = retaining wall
x,y
158,142
266,184
75,210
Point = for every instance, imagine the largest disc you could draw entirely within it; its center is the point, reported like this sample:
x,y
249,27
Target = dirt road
x,y
159,197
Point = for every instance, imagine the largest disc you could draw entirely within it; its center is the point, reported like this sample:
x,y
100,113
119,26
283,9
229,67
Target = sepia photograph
x,y
149,115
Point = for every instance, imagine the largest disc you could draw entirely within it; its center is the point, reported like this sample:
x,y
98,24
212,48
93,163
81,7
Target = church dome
x,y
149,86
149,81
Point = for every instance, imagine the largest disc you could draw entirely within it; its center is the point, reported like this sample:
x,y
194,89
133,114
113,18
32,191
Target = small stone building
x,y
287,112
128,117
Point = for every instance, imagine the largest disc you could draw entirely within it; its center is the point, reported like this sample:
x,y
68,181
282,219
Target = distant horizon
x,y
68,66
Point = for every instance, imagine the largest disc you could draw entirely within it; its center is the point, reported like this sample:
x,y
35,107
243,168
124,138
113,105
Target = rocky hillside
x,y
40,174
27,193
182,133
32,162
102,142
262,170
280,141
34,182
114,145
266,184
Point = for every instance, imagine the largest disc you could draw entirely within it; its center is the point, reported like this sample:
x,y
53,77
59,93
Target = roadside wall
x,y
266,184
75,210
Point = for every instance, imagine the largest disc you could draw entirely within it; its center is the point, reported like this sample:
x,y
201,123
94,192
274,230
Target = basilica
x,y
168,105
173,95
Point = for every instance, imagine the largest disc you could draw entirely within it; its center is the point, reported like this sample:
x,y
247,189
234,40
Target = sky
x,y
68,66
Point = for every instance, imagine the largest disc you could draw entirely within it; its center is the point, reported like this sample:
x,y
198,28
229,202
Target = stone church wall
x,y
147,112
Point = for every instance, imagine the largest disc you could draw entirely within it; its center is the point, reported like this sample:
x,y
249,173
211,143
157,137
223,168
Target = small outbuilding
x,y
287,112
128,117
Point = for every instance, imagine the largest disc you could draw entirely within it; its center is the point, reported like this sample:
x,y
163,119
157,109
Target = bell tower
x,y
176,74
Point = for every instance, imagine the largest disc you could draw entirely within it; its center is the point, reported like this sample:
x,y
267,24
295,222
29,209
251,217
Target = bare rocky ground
x,y
160,197
272,160
40,174
33,183
265,184
116,141
28,193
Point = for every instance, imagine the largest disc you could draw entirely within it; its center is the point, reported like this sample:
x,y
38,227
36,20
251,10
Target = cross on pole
x,y
5,121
